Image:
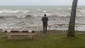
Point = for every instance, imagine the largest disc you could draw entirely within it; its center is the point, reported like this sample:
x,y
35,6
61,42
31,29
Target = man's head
x,y
44,15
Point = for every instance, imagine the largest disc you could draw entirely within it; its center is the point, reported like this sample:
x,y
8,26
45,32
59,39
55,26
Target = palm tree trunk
x,y
71,28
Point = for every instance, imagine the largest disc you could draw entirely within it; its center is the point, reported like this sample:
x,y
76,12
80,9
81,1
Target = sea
x,y
29,17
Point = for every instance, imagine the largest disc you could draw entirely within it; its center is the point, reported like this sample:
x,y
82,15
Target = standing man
x,y
45,23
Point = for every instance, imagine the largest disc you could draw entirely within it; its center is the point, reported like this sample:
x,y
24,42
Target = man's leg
x,y
44,27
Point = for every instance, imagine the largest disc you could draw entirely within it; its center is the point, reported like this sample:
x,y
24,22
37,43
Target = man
x,y
45,23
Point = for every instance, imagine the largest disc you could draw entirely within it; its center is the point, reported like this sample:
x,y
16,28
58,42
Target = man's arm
x,y
47,19
42,19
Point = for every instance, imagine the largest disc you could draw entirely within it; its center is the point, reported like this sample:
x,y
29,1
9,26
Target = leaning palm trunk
x,y
71,28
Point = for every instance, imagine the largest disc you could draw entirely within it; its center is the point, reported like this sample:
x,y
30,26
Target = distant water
x,y
29,17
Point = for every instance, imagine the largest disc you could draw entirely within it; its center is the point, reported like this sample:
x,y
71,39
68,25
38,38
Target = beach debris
x,y
30,31
8,31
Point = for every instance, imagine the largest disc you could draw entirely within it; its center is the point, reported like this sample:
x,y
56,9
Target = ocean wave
x,y
22,13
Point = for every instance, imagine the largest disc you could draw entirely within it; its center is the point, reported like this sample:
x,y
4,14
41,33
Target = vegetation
x,y
46,41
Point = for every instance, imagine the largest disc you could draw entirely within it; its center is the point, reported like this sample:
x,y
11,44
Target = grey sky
x,y
39,2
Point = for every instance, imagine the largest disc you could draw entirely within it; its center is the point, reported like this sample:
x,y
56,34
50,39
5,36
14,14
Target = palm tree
x,y
71,28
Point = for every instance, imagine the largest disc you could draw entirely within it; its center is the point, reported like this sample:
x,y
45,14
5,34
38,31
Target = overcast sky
x,y
39,2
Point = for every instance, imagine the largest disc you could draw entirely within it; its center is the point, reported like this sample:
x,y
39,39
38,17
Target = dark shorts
x,y
44,24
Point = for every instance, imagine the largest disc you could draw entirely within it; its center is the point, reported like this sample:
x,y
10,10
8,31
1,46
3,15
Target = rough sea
x,y
29,17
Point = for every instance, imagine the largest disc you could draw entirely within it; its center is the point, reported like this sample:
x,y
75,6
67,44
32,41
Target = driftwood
x,y
21,35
